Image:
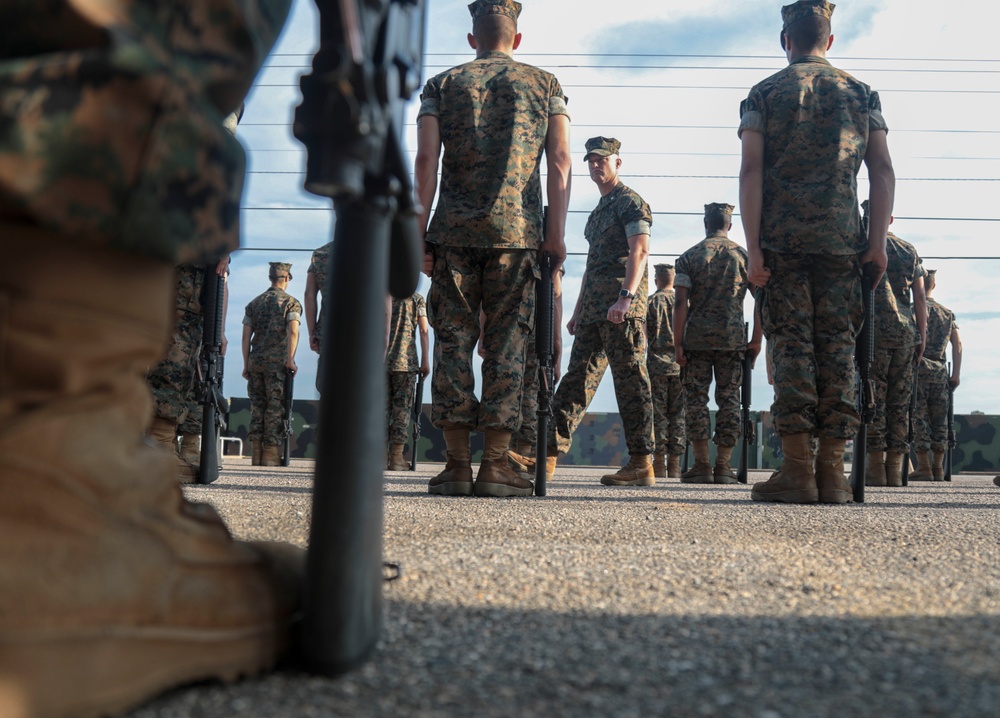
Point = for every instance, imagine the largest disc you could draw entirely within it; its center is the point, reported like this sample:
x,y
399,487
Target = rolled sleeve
x,y
752,115
875,119
293,317
557,105
639,226
682,280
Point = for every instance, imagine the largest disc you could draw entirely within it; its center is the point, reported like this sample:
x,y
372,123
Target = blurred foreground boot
x,y
723,473
875,473
937,468
495,477
832,484
996,480
893,468
637,472
191,452
923,471
795,481
660,465
113,587
256,449
456,479
164,431
396,460
674,466
701,472
270,456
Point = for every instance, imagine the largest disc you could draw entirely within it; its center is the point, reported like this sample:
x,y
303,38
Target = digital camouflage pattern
x,y
404,332
400,391
266,390
892,375
268,315
173,380
715,274
932,385
528,431
494,117
596,346
128,99
815,120
895,316
481,8
813,301
727,367
666,387
319,265
620,214
660,334
803,9
502,283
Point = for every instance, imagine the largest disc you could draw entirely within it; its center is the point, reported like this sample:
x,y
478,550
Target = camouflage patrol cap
x,y
864,208
663,268
280,269
482,8
805,8
602,146
719,208
931,272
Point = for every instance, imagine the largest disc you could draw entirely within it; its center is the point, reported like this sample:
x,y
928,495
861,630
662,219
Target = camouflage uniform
x,y
715,273
402,364
268,315
493,114
319,264
815,142
666,387
896,335
620,214
932,386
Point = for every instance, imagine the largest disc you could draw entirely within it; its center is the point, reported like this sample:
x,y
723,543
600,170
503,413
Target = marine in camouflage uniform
x,y
900,328
407,323
710,338
931,434
114,169
270,338
805,132
494,117
609,319
667,389
316,286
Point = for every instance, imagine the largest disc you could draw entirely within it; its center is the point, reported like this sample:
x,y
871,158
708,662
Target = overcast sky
x,y
673,101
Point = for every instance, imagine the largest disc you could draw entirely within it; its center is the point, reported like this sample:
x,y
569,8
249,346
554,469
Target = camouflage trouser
x,y
595,346
728,369
400,389
892,375
173,379
502,282
931,428
667,391
812,311
528,433
266,390
192,422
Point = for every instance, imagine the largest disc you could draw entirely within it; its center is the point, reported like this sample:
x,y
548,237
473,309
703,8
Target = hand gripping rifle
x,y
214,405
350,121
286,418
544,321
952,442
910,427
865,357
748,429
418,411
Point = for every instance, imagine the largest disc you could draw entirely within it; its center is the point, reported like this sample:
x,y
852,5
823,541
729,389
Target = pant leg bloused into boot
x,y
892,372
728,369
697,379
588,361
625,344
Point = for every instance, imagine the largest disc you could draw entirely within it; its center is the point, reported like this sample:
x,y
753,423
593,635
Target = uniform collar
x,y
810,58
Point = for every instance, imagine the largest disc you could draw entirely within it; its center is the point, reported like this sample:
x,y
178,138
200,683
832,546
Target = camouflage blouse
x,y
941,323
815,120
895,320
660,333
318,265
620,214
269,315
112,130
402,352
494,117
716,275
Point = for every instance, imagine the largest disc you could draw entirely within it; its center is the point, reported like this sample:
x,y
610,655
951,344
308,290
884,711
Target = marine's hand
x,y
753,349
874,261
290,366
759,274
679,355
618,310
571,326
314,344
556,249
954,382
246,374
425,369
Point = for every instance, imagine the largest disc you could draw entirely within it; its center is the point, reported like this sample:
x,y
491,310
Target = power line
x,y
465,53
686,177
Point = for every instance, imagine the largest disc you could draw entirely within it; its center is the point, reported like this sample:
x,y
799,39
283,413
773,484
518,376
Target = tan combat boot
x,y
832,484
923,470
723,472
875,472
191,451
674,466
164,432
270,456
795,481
256,449
117,588
396,460
937,468
660,465
495,477
893,468
521,457
637,472
701,472
456,479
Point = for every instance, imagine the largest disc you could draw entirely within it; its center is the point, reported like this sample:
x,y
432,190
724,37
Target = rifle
x,y
748,430
286,418
865,357
544,321
350,121
418,406
214,405
909,428
952,442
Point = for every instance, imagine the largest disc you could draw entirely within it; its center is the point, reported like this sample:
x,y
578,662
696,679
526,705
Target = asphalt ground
x,y
671,600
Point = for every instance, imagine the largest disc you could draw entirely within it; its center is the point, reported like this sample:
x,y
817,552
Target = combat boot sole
x,y
617,480
500,491
399,467
787,496
451,488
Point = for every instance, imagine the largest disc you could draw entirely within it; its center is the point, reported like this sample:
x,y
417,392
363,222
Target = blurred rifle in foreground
x,y
544,349
748,430
214,405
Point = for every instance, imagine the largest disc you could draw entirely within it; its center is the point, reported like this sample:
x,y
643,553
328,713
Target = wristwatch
x,y
625,294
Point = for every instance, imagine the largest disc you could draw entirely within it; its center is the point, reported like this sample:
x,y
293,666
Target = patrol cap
x,y
482,8
602,146
279,269
719,208
864,207
803,9
931,272
663,268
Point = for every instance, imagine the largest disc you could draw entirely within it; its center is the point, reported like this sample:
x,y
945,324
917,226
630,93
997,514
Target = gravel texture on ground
x,y
670,600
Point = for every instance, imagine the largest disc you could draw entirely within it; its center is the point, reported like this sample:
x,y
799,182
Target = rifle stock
x,y
214,406
864,356
286,419
544,349
418,401
748,432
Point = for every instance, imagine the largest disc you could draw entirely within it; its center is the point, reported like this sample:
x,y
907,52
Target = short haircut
x,y
810,32
494,30
716,221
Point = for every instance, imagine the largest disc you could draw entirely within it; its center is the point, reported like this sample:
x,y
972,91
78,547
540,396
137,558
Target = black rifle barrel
x,y
286,457
418,410
544,349
909,427
865,354
212,306
747,430
952,443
